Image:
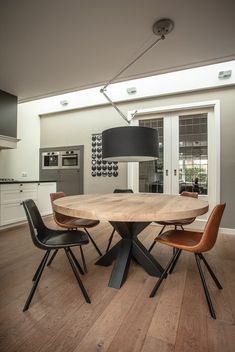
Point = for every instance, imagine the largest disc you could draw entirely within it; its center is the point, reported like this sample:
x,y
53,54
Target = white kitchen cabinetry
x,y
43,200
12,196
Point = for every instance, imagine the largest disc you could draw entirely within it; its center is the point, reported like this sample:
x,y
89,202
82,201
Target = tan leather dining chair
x,y
197,243
72,223
176,223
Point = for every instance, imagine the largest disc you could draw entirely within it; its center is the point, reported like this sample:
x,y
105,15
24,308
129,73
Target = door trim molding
x,y
134,116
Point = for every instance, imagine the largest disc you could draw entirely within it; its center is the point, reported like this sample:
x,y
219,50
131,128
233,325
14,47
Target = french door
x,y
188,153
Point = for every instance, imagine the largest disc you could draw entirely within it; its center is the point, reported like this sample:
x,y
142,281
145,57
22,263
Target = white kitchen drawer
x,y
11,213
17,196
10,187
14,193
10,196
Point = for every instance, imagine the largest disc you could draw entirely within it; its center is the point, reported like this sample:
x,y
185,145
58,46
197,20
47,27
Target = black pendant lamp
x,y
133,143
130,143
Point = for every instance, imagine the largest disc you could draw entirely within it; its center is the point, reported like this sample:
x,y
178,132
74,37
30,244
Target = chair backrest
x,y
117,190
189,194
211,229
38,230
59,218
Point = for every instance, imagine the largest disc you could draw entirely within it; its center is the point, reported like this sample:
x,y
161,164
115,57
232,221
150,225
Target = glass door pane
x,y
193,153
151,172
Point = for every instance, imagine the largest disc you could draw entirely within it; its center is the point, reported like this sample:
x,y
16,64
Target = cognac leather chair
x,y
48,239
72,223
175,223
117,190
197,243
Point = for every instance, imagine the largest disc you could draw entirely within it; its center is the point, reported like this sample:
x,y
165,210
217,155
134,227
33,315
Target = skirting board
x,y
200,224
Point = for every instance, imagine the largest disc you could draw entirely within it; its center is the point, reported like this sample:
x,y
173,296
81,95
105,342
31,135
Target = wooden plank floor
x,y
124,320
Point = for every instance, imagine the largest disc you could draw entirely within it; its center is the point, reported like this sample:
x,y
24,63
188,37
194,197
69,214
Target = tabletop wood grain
x,y
138,207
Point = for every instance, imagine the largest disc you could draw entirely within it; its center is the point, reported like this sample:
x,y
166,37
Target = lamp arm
x,y
114,105
133,61
102,90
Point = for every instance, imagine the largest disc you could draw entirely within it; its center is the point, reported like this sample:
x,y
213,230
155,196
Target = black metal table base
x,y
129,247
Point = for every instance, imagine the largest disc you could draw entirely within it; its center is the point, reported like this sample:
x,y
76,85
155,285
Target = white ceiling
x,y
55,46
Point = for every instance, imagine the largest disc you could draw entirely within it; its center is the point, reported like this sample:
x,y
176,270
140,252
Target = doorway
x,y
189,151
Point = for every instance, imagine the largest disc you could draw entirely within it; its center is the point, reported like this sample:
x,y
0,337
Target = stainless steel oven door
x,y
50,160
70,159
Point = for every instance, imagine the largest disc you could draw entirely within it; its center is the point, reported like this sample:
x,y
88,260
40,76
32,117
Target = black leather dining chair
x,y
49,239
117,190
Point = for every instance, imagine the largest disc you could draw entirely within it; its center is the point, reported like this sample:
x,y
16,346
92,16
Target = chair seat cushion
x,y
61,239
176,222
186,240
72,222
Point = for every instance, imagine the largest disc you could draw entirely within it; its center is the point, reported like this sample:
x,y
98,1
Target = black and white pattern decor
x,y
100,167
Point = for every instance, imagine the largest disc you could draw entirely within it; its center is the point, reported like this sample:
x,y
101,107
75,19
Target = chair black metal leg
x,y
175,262
182,228
35,284
206,291
110,241
201,256
68,254
76,261
164,274
83,259
52,257
93,242
39,267
153,244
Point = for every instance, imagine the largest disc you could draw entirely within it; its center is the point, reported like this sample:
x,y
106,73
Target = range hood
x,y
7,142
8,120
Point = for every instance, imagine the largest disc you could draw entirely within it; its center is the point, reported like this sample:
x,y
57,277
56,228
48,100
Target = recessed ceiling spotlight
x,y
64,102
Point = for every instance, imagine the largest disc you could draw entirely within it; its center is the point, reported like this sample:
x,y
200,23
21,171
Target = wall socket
x,y
24,174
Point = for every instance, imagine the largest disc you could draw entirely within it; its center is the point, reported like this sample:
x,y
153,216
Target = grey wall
x,y
76,128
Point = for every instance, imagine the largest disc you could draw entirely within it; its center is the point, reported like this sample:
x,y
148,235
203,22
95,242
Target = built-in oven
x,y
70,159
50,160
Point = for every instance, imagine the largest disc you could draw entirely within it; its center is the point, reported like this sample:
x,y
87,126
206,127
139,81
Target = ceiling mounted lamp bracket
x,y
161,28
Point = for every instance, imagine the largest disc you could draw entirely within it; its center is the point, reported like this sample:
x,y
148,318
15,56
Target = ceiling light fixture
x,y
133,143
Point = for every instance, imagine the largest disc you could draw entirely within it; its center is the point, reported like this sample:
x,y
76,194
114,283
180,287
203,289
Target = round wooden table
x,y
129,214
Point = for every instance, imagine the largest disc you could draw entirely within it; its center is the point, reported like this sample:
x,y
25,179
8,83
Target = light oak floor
x,y
124,320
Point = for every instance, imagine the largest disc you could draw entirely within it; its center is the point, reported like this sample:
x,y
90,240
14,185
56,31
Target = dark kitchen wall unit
x,y
69,180
8,114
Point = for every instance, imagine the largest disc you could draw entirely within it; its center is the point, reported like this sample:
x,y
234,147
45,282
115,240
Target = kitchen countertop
x,y
15,181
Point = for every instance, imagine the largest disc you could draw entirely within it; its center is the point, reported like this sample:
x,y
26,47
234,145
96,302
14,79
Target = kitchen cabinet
x,y
43,199
12,196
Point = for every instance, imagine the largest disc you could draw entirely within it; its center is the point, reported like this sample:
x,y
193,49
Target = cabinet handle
x,y
21,203
21,190
21,184
175,172
166,172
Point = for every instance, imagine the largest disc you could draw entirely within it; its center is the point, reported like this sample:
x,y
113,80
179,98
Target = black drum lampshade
x,y
131,143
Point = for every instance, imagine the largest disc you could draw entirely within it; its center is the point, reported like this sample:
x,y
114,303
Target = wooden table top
x,y
139,207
